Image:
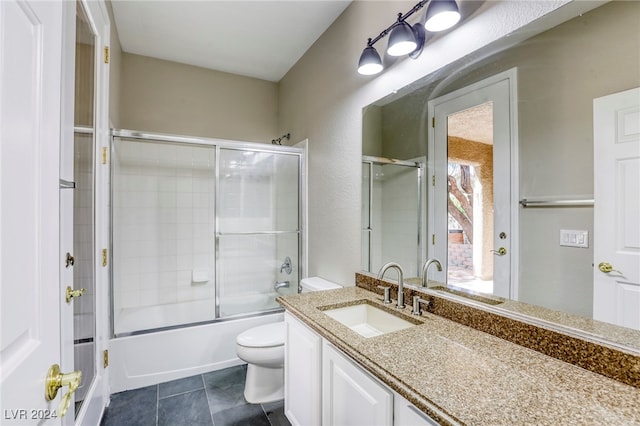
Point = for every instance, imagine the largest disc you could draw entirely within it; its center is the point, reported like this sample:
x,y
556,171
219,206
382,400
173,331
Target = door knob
x,y
55,380
71,293
606,267
500,252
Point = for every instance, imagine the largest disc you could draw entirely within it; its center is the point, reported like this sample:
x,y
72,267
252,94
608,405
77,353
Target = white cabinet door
x,y
350,396
302,373
406,414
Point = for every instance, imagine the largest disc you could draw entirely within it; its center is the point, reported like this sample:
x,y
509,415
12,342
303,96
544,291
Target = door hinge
x,y
106,54
433,239
105,257
433,122
105,358
105,154
433,180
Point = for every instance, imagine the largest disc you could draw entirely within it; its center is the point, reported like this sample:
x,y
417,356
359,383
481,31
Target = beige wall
x,y
322,97
168,97
324,103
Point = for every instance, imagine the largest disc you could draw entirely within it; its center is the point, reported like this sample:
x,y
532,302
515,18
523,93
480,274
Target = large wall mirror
x,y
555,75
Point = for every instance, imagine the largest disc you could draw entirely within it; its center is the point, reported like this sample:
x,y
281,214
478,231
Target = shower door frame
x,y
217,145
371,161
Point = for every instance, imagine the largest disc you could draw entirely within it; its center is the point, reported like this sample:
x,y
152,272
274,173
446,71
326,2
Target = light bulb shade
x,y
370,62
401,40
441,15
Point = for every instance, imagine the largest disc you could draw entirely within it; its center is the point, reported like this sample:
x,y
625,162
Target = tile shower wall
x,y
164,228
163,212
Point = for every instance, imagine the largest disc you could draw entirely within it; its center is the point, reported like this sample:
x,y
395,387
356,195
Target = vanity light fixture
x,y
405,39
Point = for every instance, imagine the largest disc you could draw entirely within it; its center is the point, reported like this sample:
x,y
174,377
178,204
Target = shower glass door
x,y
392,214
258,229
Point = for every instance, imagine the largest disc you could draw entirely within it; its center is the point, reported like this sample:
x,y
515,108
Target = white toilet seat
x,y
263,336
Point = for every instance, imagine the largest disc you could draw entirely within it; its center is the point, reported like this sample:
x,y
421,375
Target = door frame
x,y
438,244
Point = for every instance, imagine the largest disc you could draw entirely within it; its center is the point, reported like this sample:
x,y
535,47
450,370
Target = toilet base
x,y
263,384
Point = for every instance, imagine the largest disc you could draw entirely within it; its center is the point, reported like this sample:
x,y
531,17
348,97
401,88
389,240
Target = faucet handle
x,y
416,305
387,294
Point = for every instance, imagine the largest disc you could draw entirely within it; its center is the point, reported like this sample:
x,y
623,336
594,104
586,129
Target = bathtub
x,y
147,359
131,320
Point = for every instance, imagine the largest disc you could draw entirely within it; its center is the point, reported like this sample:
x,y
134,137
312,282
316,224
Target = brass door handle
x,y
606,267
500,252
55,380
71,293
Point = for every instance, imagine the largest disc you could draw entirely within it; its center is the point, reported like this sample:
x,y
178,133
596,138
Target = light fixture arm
x,y
401,19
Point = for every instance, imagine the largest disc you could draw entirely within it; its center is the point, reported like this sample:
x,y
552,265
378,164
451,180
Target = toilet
x,y
262,348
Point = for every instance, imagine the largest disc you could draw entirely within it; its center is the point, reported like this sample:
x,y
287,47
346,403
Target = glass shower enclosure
x,y
203,230
393,214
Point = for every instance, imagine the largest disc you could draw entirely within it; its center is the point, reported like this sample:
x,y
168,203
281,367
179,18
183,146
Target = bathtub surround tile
x,y
215,398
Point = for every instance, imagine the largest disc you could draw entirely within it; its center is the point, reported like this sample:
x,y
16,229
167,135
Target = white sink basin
x,y
368,320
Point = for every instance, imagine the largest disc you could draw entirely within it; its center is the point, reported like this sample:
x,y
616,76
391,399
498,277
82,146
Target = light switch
x,y
574,238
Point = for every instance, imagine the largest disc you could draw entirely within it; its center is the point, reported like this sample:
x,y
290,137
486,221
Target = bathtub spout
x,y
281,284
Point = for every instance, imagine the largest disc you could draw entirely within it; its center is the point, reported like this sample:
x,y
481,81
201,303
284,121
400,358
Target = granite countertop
x,y
460,375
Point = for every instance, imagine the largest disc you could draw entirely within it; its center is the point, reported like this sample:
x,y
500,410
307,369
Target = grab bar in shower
x,y
587,202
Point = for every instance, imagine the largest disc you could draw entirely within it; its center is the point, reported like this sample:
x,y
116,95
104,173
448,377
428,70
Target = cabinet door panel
x,y
350,396
302,368
405,413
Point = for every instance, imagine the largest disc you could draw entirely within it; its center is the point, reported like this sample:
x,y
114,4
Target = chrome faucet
x,y
400,304
425,269
281,284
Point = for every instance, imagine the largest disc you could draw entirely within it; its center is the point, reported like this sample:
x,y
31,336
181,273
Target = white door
x,y
616,129
30,133
493,199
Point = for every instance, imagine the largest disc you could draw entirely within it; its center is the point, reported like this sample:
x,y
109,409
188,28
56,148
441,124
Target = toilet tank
x,y
317,284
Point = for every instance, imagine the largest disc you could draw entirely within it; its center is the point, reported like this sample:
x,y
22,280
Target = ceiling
x,y
474,124
261,39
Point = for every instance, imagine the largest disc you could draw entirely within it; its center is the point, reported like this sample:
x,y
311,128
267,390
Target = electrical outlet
x,y
574,238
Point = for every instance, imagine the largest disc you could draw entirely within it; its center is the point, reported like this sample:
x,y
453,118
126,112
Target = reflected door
x,y
616,292
473,201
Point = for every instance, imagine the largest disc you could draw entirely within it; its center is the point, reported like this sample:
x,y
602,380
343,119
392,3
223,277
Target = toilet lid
x,y
263,336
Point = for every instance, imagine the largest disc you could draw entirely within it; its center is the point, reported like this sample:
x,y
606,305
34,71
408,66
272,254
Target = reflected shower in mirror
x,y
392,213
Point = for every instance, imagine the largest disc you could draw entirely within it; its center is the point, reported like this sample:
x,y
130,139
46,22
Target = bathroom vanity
x,y
434,371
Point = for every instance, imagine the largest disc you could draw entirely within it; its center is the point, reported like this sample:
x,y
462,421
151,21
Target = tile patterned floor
x,y
210,399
